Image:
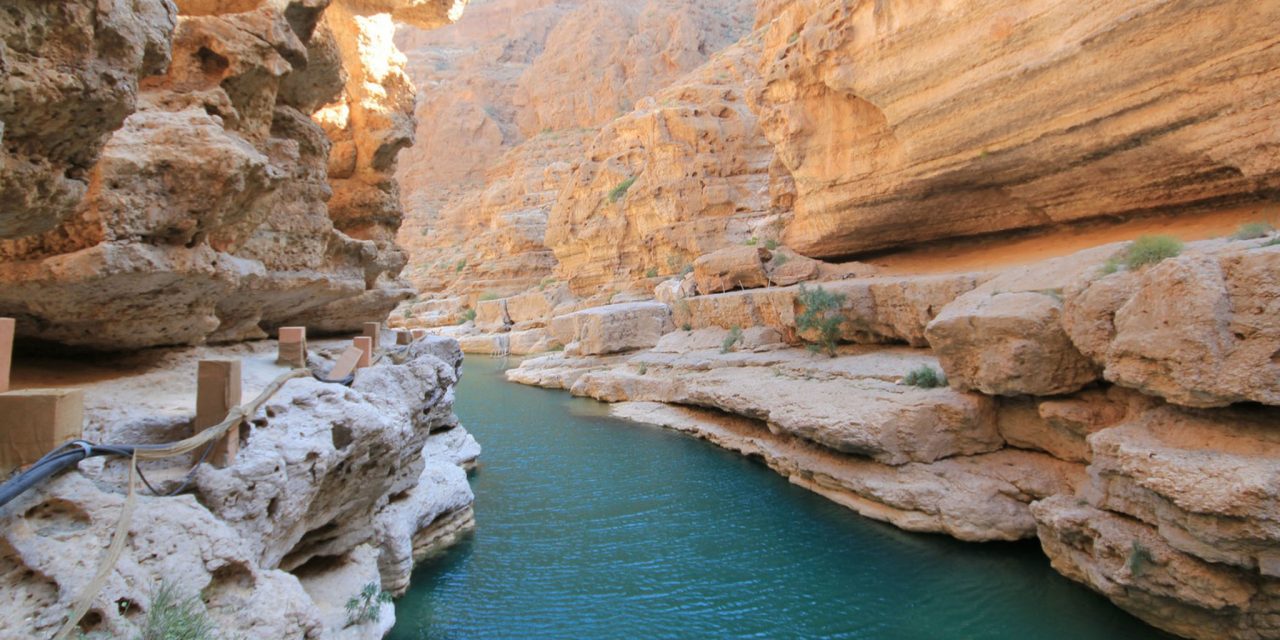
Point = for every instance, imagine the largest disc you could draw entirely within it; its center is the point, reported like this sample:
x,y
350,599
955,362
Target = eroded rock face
x,y
1135,567
333,488
908,122
69,76
1006,337
209,215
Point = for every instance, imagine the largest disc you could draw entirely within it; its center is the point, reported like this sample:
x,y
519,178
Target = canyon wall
x,y
233,173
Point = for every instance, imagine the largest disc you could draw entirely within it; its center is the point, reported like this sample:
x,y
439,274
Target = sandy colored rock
x,y
1133,566
491,315
612,328
684,174
1205,480
787,268
917,122
1006,336
975,498
731,268
1201,330
1061,426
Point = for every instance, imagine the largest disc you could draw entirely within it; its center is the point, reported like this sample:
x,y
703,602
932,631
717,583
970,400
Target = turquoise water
x,y
590,527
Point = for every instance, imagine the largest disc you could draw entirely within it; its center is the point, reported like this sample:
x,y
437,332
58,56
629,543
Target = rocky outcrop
x,y
613,328
1196,329
333,488
908,122
731,268
69,75
208,216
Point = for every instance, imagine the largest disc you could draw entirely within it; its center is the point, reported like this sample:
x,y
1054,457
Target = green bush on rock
x,y
821,314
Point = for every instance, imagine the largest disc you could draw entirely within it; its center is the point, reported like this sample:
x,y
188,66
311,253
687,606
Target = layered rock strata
x,y
913,122
1086,404
247,183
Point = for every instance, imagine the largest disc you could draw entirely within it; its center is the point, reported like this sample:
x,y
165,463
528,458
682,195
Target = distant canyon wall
x,y
205,170
834,128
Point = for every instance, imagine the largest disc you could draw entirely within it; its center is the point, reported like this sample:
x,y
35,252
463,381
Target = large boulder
x,y
731,268
612,328
1005,337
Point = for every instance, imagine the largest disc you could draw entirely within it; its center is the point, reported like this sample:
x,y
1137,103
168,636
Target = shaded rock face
x,y
223,208
69,75
908,122
333,488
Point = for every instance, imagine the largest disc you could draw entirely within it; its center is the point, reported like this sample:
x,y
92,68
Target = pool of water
x,y
591,527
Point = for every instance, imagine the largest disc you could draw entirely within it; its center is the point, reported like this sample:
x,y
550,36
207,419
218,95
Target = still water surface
x,y
591,527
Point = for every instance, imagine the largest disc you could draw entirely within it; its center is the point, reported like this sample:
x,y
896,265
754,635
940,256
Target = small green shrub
x,y
793,37
734,337
1139,559
1148,250
407,313
688,269
751,242
1252,231
366,606
462,264
821,314
1111,266
488,295
780,259
643,368
621,190
925,377
687,327
1272,242
467,316
651,272
771,244
174,617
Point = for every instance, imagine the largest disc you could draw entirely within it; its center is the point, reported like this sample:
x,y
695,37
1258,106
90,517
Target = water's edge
x,y
591,526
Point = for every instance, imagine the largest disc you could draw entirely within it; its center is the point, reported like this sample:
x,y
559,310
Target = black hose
x,y
71,453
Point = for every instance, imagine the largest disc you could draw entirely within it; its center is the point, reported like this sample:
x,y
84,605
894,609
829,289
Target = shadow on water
x,y
589,527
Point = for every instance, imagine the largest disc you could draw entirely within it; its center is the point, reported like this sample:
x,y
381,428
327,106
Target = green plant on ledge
x,y
751,242
366,606
621,190
925,377
1252,231
652,272
488,295
173,617
771,244
734,337
1145,251
821,314
1139,559
462,264
467,316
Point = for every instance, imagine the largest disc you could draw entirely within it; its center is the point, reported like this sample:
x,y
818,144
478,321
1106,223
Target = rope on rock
x,y
159,452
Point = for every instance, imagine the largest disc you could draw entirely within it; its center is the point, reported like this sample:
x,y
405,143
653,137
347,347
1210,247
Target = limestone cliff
x,y
242,180
905,122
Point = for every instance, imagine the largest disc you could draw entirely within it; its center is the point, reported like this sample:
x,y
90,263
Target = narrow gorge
x,y
1003,276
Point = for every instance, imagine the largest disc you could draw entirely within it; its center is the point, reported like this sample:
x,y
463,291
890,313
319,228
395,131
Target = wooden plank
x,y
7,328
292,347
218,390
347,363
373,331
34,421
365,344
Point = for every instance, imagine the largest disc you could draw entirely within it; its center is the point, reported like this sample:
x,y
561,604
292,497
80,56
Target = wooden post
x,y
7,327
293,347
34,421
373,331
346,363
403,337
217,392
365,345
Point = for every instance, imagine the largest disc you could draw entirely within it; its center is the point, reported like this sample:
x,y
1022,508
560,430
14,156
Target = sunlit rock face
x,y
517,98
904,122
252,187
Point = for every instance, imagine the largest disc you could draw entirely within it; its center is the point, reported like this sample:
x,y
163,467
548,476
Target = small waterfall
x,y
502,345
